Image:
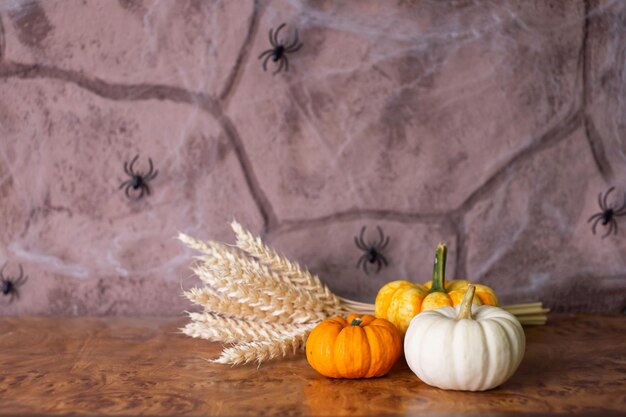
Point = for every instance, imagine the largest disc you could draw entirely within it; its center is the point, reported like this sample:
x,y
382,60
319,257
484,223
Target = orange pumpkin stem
x,y
439,269
356,322
465,311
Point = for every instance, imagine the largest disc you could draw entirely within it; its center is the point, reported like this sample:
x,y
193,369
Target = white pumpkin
x,y
459,349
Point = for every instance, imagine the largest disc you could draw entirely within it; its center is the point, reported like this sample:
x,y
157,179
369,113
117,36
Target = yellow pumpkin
x,y
400,301
359,347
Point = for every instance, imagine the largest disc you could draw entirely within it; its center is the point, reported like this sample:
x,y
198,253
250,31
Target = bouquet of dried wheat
x,y
265,305
254,298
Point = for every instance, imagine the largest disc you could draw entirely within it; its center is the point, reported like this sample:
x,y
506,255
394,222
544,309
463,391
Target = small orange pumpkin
x,y
359,347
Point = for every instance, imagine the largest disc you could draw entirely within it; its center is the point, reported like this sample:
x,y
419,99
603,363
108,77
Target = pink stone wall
x,y
491,126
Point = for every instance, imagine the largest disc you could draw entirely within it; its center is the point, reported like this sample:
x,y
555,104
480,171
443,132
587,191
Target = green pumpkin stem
x,y
439,269
465,310
356,321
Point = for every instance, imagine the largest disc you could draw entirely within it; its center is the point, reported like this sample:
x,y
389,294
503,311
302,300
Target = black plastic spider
x,y
10,285
372,250
607,215
279,51
138,181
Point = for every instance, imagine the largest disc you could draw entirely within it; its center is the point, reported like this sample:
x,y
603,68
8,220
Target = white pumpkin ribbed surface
x,y
469,354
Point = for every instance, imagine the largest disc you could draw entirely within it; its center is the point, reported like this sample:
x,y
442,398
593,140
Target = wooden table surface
x,y
143,366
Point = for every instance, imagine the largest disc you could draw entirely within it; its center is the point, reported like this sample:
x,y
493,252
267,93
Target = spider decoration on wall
x,y
138,180
607,215
9,286
373,251
279,50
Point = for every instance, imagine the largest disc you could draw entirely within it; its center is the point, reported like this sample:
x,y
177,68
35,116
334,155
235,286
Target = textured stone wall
x,y
492,126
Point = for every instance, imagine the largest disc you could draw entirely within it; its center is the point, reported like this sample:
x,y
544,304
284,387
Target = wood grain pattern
x,y
143,366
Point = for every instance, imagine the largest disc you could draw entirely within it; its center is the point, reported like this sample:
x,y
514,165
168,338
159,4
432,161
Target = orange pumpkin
x,y
359,347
